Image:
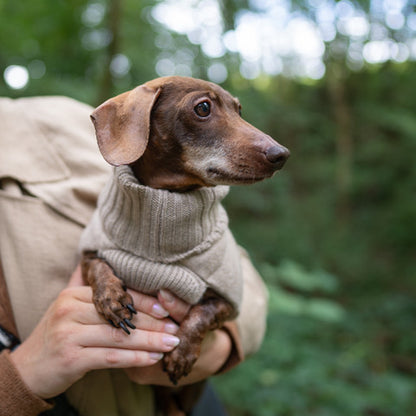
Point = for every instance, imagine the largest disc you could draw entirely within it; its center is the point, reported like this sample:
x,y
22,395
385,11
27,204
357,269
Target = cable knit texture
x,y
158,239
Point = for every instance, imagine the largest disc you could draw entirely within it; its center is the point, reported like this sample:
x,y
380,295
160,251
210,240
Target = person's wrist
x,y
225,347
215,351
20,396
17,357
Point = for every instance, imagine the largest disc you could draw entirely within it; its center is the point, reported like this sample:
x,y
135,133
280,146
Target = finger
x,y
215,350
176,307
142,303
89,316
77,301
85,313
148,323
100,358
148,304
106,336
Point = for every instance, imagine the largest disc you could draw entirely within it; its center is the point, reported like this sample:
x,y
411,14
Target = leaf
x,y
325,310
297,277
297,305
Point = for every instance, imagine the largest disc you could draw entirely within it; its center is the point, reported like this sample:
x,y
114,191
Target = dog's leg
x,y
109,293
209,314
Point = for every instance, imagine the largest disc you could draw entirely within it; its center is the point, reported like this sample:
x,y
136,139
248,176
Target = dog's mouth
x,y
226,178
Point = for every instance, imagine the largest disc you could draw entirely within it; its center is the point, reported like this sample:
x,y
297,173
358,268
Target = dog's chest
x,y
157,239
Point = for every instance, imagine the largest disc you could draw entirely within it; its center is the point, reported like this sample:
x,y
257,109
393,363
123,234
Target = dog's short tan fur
x,y
178,134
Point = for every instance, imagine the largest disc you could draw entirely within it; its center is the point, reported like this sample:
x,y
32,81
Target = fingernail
x,y
167,296
155,356
170,340
171,328
159,311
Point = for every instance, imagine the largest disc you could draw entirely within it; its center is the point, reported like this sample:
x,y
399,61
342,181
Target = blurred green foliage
x,y
342,279
333,234
323,356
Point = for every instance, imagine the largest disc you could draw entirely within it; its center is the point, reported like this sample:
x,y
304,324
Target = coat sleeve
x,y
247,331
15,397
251,321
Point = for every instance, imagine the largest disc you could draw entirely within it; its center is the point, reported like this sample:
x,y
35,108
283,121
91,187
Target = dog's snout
x,y
277,155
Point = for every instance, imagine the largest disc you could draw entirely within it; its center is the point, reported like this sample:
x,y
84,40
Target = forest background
x,y
333,234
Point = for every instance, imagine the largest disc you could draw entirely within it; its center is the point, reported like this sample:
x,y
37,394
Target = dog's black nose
x,y
278,156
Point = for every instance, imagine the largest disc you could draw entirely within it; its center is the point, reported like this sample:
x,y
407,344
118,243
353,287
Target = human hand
x,y
215,350
72,339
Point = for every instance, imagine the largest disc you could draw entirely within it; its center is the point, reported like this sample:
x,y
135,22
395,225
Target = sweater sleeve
x,y
15,397
247,331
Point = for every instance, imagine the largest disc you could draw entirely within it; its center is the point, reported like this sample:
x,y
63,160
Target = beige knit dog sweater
x,y
156,239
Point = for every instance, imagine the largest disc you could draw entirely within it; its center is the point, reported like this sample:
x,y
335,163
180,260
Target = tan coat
x,y
50,175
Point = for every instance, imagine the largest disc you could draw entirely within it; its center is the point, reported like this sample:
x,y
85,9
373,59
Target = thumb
x,y
76,278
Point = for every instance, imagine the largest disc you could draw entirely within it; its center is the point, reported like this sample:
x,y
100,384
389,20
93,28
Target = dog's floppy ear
x,y
122,125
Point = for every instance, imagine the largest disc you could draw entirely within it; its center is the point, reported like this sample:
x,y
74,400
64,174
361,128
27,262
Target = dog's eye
x,y
203,109
239,110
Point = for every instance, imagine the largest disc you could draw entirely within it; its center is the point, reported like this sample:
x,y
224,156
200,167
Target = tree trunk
x,y
344,142
113,25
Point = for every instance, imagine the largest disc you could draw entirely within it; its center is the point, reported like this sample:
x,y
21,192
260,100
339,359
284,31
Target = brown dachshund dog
x,y
177,134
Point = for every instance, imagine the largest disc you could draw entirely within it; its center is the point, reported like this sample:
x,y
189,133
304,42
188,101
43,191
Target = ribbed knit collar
x,y
158,224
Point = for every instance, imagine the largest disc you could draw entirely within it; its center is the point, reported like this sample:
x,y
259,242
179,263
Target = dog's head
x,y
188,131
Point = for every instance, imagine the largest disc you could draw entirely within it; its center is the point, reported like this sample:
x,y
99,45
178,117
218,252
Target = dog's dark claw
x,y
112,323
124,328
130,307
129,324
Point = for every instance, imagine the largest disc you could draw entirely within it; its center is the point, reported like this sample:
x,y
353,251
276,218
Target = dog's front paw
x,y
179,362
115,304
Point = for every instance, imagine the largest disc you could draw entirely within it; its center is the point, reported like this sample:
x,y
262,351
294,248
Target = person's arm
x,y
215,351
72,339
224,348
